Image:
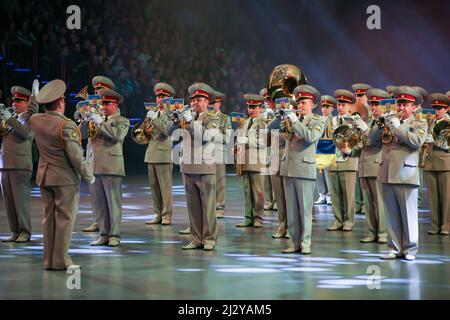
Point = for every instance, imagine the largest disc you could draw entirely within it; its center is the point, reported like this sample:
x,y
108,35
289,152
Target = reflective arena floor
x,y
247,263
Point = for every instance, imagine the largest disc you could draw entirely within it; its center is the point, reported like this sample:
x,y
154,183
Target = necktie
x,y
250,123
340,121
302,118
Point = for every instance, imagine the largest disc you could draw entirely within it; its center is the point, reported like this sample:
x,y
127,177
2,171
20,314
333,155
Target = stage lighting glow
x,y
248,270
370,260
90,251
344,282
190,270
324,259
333,287
422,261
307,269
238,255
268,259
137,217
170,242
405,281
132,241
354,251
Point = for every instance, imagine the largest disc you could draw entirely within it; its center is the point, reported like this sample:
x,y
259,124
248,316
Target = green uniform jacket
x,y
299,160
61,155
104,153
159,148
400,158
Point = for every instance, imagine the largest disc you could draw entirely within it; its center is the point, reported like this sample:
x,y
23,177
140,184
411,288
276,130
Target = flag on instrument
x,y
166,102
236,119
427,113
176,104
282,103
325,154
388,105
94,99
150,106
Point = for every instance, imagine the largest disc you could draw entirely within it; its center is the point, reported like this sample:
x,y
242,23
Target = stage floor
x,y
247,263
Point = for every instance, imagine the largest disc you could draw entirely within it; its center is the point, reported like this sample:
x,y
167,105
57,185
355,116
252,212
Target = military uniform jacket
x,y
221,144
438,159
343,163
104,153
198,157
61,155
370,158
16,144
256,148
299,160
400,158
159,148
272,156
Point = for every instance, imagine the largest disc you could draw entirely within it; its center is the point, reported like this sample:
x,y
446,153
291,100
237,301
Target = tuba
x,y
282,82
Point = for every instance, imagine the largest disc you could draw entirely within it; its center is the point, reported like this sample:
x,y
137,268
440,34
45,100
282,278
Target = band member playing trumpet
x,y
221,155
298,168
275,185
252,141
369,162
99,83
399,173
107,164
15,161
437,167
159,157
343,173
198,166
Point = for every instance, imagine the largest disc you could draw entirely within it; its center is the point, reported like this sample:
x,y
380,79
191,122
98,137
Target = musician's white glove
x,y
361,125
292,116
429,139
5,114
394,122
92,181
242,140
269,112
264,115
35,90
152,114
95,117
187,116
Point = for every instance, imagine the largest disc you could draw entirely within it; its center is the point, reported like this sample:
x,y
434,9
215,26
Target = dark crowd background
x,y
232,45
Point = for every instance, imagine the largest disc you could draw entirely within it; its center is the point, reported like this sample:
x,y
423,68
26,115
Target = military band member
x,y
298,168
99,83
198,166
360,107
399,174
437,170
424,94
343,173
369,162
391,89
274,161
221,155
328,103
159,158
251,140
16,164
269,189
107,163
60,167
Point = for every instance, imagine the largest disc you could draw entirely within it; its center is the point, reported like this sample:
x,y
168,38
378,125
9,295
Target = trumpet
x,y
177,118
4,127
81,114
283,115
387,136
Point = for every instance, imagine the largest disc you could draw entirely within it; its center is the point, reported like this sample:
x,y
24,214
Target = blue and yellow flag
x,y
325,154
236,119
388,105
150,106
282,103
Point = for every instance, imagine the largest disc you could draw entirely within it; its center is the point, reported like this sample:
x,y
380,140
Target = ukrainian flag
x,y
325,154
